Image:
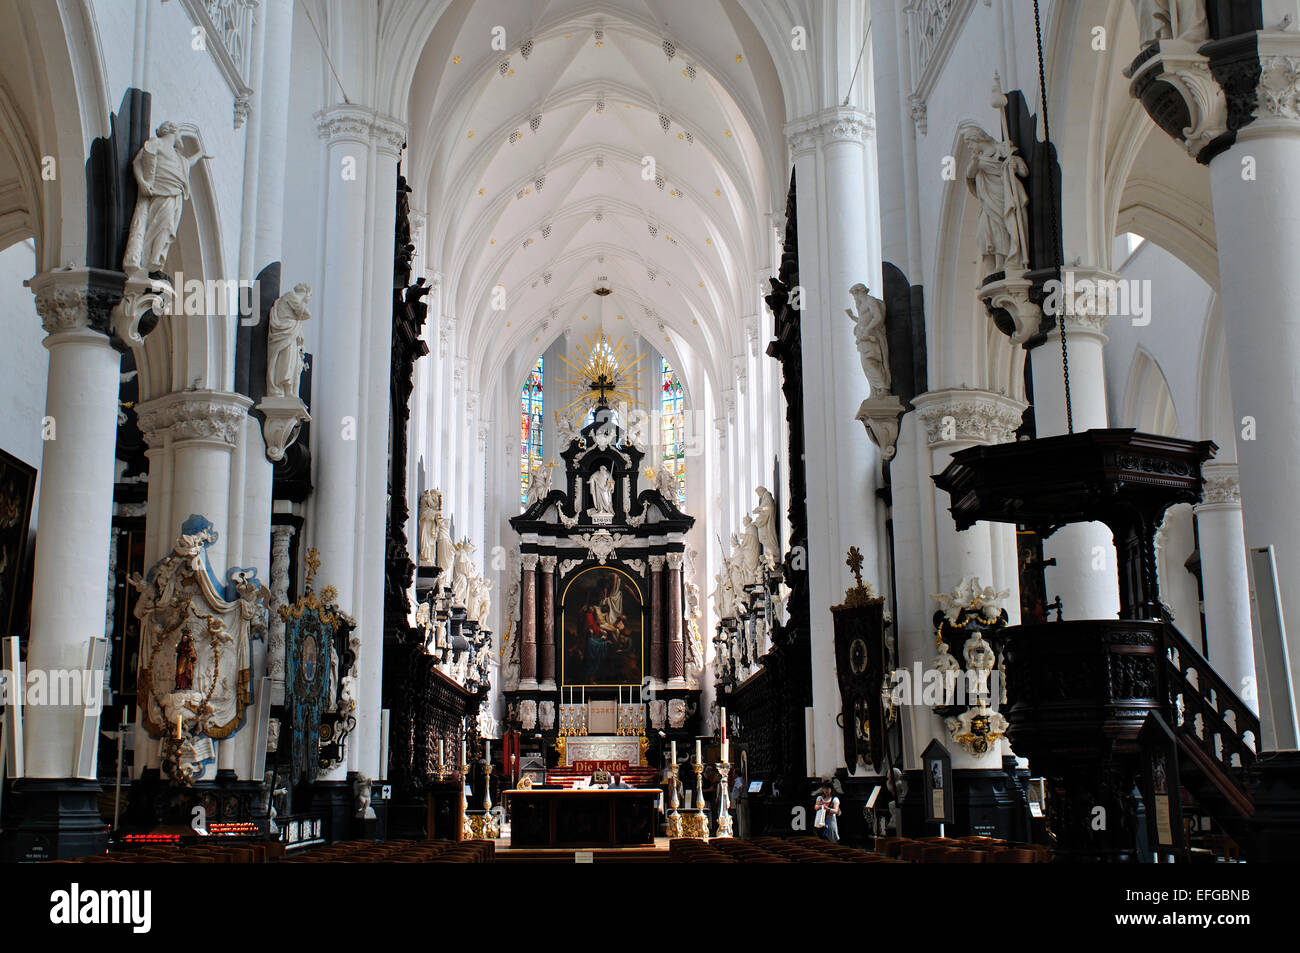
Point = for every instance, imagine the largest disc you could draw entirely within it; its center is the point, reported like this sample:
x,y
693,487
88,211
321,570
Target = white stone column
x,y
350,430
954,420
1225,581
198,431
832,169
1085,575
69,597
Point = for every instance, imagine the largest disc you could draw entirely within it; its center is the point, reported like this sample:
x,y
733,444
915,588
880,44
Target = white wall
x,y
26,364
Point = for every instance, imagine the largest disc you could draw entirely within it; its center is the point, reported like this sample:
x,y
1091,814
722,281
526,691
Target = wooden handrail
x,y
1213,725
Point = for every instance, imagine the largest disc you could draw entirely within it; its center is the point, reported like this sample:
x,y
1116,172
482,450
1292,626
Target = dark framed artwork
x,y
17,488
602,629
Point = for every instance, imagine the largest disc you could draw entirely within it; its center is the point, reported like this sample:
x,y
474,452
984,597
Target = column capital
x,y
528,561
361,124
1222,488
656,563
76,299
200,415
837,124
548,563
964,415
675,560
1229,90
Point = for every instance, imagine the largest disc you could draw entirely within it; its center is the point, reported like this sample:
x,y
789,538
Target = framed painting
x,y
602,626
17,487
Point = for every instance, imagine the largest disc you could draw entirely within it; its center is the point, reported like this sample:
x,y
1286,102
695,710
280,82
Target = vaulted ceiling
x,y
630,145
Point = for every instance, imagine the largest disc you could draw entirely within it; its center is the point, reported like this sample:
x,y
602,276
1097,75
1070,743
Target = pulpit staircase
x,y
1217,734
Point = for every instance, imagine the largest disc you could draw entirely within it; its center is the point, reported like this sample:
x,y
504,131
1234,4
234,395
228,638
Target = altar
x,y
613,817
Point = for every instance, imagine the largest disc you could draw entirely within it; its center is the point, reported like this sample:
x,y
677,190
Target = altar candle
x,y
464,752
441,752
723,722
726,749
698,758
674,751
487,751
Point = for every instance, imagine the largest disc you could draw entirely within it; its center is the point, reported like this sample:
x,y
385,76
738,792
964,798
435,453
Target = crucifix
x,y
854,562
602,384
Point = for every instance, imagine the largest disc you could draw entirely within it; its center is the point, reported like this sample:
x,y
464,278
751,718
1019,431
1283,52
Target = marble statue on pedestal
x,y
162,177
724,606
284,341
482,601
767,521
444,550
1171,19
869,333
993,175
602,493
430,511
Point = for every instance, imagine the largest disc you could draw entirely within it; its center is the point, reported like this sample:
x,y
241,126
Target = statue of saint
x,y
765,518
750,554
539,483
284,341
445,550
602,492
185,662
666,482
430,510
1171,19
566,430
869,333
993,176
162,176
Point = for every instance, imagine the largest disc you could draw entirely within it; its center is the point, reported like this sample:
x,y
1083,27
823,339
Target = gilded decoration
x,y
195,651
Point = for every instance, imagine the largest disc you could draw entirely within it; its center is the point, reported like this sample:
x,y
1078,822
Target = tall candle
x,y
674,751
487,751
698,758
726,749
464,752
724,728
441,752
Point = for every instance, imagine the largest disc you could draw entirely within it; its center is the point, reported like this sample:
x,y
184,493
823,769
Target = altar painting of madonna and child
x,y
602,629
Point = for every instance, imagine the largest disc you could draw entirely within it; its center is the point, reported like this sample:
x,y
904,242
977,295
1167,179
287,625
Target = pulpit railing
x,y
1215,728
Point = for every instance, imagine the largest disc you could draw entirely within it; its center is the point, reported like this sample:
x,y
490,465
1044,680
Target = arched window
x,y
672,434
530,427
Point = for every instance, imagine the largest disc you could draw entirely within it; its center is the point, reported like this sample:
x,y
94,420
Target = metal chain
x,y
1058,251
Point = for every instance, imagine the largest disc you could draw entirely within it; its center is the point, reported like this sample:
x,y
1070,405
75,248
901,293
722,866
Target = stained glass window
x,y
530,427
673,426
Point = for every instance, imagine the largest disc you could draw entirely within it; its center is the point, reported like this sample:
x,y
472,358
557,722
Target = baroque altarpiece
x,y
603,658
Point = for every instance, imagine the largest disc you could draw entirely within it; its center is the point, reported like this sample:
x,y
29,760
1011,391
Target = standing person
x,y
828,811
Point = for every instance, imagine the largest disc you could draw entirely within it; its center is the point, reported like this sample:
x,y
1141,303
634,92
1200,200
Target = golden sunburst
x,y
604,373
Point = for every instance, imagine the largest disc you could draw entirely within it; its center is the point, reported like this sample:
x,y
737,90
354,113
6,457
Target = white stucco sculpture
x,y
162,177
750,552
284,341
566,429
666,482
993,175
430,510
462,571
1171,19
539,482
766,519
869,333
602,493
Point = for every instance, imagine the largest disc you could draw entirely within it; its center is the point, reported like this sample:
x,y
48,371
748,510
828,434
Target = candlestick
x,y
674,819
724,798
178,727
464,753
726,750
466,831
